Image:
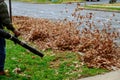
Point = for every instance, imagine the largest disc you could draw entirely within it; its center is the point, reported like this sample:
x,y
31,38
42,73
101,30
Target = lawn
x,y
108,7
53,66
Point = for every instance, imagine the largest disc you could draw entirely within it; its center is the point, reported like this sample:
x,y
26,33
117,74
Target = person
x,y
5,21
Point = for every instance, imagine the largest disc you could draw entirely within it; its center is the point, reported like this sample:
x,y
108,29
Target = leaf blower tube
x,y
6,35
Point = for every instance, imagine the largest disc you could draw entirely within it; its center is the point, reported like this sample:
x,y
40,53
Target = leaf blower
x,y
7,35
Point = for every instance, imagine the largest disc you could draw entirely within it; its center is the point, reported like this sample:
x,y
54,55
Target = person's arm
x,y
5,18
10,27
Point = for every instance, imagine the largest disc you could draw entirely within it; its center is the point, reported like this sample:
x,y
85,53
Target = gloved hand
x,y
16,33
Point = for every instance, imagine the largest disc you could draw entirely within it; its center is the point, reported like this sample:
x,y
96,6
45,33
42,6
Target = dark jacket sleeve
x,y
4,16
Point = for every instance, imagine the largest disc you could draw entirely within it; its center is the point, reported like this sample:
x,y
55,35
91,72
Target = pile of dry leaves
x,y
96,43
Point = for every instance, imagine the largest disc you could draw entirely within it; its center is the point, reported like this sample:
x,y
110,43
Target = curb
x,y
114,75
103,10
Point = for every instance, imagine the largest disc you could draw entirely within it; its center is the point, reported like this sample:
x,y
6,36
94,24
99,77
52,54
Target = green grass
x,y
53,66
91,71
108,7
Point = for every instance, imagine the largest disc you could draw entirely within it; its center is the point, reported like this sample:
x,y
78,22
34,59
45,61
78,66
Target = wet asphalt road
x,y
58,11
50,11
55,11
